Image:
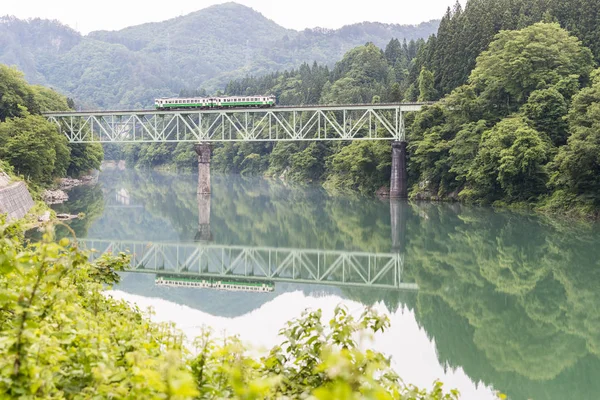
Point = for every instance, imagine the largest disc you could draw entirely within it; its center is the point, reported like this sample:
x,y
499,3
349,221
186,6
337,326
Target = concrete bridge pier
x,y
399,178
204,151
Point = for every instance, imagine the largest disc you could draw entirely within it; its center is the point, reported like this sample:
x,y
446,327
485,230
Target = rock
x,y
54,196
44,217
69,183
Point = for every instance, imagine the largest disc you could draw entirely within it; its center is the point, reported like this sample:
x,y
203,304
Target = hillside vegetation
x,y
131,67
30,144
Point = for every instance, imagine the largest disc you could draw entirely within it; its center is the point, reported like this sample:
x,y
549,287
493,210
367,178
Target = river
x,y
482,300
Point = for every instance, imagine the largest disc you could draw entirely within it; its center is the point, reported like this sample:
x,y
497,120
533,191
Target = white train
x,y
215,102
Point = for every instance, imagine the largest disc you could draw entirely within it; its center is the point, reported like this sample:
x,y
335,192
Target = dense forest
x,y
32,147
511,132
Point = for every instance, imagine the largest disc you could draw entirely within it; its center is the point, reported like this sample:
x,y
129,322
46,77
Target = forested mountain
x,y
130,67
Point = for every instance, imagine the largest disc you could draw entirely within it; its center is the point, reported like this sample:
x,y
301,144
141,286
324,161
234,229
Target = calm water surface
x,y
479,299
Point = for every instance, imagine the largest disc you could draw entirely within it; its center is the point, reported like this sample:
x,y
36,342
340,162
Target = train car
x,y
215,102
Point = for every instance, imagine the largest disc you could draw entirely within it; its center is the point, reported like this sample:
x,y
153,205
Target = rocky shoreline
x,y
58,196
54,196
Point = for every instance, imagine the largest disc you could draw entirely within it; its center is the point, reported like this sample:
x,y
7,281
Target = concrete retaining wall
x,y
15,200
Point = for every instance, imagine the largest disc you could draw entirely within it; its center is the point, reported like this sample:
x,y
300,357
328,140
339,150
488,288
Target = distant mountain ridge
x,y
132,66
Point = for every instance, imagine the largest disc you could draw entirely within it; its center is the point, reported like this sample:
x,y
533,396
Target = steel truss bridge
x,y
261,264
314,123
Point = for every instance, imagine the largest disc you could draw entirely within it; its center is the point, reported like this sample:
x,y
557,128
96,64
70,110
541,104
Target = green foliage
x,y
33,146
577,165
510,163
427,91
15,94
362,166
62,337
313,361
84,157
493,139
519,62
357,77
49,100
464,33
547,109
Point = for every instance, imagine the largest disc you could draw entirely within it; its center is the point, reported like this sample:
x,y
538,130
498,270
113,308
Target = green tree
x,y
15,94
547,109
427,90
520,62
510,163
84,157
362,166
49,100
33,146
576,168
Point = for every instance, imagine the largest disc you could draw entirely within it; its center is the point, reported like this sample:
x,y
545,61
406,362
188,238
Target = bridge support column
x,y
399,178
203,150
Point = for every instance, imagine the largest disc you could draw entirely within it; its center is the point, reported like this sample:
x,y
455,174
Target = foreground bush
x,y
61,337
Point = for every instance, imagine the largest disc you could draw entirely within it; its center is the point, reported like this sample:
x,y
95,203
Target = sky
x,y
86,16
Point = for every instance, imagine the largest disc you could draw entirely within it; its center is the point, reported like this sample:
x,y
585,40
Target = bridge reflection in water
x,y
260,264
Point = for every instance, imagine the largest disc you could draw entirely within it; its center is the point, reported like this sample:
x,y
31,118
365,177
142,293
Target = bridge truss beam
x,y
338,268
327,123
